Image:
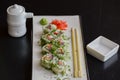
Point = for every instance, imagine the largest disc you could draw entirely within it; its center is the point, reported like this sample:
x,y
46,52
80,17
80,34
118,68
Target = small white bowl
x,y
102,48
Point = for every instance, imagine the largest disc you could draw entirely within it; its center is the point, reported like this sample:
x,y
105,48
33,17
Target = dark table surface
x,y
99,17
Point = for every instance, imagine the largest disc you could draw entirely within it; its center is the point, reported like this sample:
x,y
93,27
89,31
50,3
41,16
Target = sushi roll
x,y
57,33
49,28
59,42
46,61
60,53
47,38
48,48
59,66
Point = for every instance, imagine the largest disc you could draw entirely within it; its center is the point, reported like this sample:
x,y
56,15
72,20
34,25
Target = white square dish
x,y
102,48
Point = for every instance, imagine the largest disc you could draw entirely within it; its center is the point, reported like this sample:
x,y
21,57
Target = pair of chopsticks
x,y
76,53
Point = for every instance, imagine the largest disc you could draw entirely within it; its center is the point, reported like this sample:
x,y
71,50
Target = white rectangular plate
x,y
40,73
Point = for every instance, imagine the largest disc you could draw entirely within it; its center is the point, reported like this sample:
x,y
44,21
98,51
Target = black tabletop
x,y
98,17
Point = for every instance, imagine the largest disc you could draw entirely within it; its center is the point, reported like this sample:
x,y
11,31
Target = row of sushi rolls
x,y
54,44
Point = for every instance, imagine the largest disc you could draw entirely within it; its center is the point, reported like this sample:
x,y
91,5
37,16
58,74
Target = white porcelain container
x,y
16,19
102,48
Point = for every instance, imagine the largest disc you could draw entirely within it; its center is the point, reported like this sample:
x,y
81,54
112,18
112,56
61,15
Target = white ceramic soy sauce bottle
x,y
16,19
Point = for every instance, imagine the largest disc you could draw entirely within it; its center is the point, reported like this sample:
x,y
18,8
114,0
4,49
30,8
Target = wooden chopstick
x,y
75,66
78,54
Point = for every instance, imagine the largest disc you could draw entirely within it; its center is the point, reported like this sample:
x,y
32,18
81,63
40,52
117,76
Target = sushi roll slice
x,y
47,38
57,33
59,42
49,28
48,48
60,53
59,66
46,61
